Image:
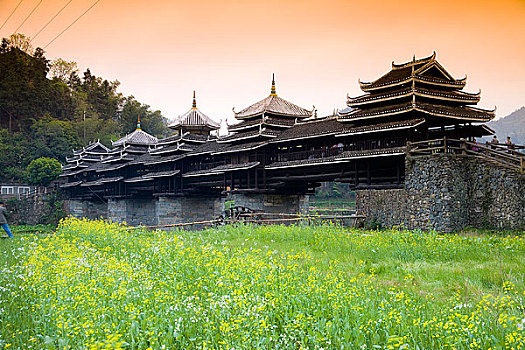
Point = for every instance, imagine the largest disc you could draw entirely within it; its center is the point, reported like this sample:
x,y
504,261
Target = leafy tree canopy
x,y
151,121
53,138
43,170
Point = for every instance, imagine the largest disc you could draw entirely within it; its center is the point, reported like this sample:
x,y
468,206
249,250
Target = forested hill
x,y
47,108
512,125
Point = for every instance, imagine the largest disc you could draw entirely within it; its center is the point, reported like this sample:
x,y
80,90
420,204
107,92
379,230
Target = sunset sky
x,y
227,50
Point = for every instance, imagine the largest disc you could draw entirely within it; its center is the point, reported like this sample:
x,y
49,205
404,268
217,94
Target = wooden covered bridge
x,y
278,152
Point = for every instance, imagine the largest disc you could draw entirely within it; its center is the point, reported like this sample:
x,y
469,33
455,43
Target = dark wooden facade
x,y
279,147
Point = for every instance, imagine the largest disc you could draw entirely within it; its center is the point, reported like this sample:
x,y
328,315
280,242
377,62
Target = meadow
x,y
97,285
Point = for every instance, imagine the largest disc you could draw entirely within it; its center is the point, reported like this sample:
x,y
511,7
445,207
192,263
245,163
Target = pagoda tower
x,y
194,122
139,139
103,177
264,120
421,88
81,160
193,128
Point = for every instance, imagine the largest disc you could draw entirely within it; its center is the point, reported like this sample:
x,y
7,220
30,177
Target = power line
x,y
29,15
51,20
75,21
10,14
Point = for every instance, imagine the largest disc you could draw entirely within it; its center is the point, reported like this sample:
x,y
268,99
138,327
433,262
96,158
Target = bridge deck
x,y
508,156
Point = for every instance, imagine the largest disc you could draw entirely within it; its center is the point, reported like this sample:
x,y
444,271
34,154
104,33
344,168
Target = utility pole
x,y
84,124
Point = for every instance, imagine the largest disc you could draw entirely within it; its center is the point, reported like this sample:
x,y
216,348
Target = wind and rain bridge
x,y
406,145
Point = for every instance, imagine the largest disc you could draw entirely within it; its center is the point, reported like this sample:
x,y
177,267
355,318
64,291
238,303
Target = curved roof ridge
x,y
137,137
320,119
273,104
194,117
95,144
493,111
414,61
404,72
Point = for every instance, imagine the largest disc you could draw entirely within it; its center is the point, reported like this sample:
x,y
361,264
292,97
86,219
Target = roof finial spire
x,y
272,92
194,106
414,58
138,123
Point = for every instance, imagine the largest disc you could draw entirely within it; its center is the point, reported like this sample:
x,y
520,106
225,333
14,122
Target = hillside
x,y
48,108
512,125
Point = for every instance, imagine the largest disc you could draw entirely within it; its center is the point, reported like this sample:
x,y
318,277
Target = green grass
x,y
96,285
32,229
333,203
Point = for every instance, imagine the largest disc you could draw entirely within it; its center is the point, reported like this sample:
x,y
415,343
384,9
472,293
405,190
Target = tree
x,y
21,42
47,109
63,70
25,92
53,138
14,155
43,170
151,122
95,128
101,95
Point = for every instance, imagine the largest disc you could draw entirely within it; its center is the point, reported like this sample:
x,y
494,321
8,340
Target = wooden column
x,y
368,179
356,173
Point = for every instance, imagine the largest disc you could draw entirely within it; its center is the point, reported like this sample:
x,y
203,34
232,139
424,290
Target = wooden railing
x,y
205,165
510,156
336,149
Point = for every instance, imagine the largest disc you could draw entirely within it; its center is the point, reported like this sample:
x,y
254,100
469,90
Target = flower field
x,y
96,285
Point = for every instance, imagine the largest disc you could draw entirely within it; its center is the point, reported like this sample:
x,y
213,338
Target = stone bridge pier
x,y
176,210
93,209
166,210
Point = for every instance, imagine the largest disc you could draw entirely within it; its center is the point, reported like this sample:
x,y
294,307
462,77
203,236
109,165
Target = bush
x,y
43,170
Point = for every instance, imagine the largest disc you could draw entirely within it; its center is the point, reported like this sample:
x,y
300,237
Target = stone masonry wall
x,y
117,210
384,207
86,209
496,196
141,211
133,211
437,192
26,211
447,193
174,210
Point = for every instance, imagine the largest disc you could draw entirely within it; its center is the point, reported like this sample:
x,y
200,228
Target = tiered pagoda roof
x,y
127,149
179,143
193,129
94,148
194,119
265,119
419,88
137,138
83,158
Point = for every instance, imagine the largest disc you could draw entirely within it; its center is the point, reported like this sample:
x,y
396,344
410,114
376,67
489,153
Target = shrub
x,y
43,170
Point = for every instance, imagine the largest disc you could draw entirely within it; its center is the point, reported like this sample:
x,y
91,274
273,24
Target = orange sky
x,y
161,50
